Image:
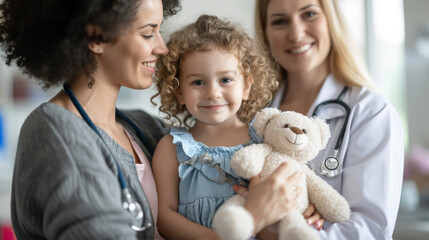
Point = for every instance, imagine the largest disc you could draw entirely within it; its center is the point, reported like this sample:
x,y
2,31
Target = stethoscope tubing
x,y
86,118
335,171
346,118
128,203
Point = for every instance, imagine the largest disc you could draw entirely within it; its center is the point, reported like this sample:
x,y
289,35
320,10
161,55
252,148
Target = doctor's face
x,y
298,35
130,60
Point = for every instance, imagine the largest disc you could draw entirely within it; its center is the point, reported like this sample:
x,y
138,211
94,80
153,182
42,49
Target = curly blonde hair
x,y
207,33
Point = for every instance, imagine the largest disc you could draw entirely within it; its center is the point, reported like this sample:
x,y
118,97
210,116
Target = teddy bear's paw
x,y
244,164
233,223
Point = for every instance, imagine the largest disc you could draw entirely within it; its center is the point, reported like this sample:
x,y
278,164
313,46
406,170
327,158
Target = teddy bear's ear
x,y
325,133
262,118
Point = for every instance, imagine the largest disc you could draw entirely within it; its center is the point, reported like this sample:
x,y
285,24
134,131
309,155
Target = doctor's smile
x,y
150,65
301,49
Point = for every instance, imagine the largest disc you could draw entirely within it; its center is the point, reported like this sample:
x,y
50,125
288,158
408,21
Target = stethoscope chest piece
x,y
331,167
136,211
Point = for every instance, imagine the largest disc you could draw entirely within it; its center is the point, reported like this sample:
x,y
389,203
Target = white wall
x,y
417,73
416,16
238,11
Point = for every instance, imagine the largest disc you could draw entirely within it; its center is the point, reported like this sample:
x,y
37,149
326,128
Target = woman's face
x,y
130,61
298,35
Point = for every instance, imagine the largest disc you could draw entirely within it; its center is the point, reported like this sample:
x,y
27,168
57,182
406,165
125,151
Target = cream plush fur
x,y
288,137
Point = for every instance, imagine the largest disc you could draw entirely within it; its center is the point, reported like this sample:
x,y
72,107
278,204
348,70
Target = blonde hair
x,y
345,60
206,34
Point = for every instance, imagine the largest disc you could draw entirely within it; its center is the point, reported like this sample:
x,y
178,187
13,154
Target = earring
x,y
175,83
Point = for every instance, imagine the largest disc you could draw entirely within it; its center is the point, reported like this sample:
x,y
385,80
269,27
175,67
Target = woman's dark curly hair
x,y
206,34
47,38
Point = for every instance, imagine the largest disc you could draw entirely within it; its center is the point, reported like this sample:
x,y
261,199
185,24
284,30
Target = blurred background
x,y
393,36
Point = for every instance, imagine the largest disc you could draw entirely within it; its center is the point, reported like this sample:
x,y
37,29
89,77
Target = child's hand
x,y
313,217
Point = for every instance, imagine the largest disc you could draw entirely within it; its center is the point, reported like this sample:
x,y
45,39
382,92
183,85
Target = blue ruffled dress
x,y
206,177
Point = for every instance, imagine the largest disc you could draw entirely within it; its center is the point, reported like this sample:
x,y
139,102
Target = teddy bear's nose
x,y
296,130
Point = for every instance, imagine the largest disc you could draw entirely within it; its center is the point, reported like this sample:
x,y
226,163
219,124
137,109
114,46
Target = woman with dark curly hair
x,y
78,164
65,183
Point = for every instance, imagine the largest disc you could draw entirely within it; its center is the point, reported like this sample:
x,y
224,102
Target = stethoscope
x,y
128,203
331,167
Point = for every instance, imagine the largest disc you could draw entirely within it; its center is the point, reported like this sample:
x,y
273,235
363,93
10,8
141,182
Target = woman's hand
x,y
313,217
269,200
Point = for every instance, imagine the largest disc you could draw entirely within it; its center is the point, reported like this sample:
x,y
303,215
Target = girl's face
x,y
130,61
298,35
212,86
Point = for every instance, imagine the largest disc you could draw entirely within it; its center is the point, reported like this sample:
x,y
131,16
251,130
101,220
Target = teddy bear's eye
x,y
304,131
286,125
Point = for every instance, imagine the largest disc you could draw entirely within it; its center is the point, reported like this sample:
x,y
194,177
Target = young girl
x,y
213,81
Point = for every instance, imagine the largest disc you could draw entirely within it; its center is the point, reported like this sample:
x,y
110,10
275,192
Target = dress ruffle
x,y
213,162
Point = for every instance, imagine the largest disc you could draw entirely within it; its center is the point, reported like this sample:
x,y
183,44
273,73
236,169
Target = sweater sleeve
x,y
62,186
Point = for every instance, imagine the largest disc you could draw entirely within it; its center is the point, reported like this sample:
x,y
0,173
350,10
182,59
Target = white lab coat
x,y
372,154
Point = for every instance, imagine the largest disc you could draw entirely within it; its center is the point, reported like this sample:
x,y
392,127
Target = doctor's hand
x,y
271,199
313,217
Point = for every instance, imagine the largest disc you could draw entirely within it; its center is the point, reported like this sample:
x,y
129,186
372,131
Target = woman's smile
x,y
300,49
150,66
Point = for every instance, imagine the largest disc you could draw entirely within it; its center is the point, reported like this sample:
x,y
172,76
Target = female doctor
x,y
322,74
82,168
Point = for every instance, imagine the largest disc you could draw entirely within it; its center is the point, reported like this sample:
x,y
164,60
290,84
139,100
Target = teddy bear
x,y
287,137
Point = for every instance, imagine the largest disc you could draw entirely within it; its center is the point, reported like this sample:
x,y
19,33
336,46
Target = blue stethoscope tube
x,y
128,203
331,166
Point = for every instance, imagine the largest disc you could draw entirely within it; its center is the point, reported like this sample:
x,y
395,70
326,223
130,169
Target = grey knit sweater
x,y
65,182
